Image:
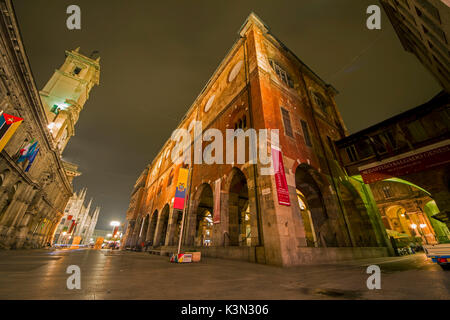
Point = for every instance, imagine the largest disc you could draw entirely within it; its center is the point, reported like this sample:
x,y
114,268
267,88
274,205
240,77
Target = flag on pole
x,y
32,157
8,125
180,192
27,152
25,149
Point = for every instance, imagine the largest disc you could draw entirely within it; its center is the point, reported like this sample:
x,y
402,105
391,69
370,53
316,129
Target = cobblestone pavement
x,y
105,274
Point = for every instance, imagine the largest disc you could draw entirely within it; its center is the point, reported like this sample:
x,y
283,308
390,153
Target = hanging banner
x,y
8,125
216,213
71,227
420,159
280,177
180,192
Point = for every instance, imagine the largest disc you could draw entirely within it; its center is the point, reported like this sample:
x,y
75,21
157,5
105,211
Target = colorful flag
x,y
180,192
8,125
32,157
28,151
25,149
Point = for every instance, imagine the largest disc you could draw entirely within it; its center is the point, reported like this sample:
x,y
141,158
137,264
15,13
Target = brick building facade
x,y
260,84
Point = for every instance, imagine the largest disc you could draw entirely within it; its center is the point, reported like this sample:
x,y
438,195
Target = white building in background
x,y
78,220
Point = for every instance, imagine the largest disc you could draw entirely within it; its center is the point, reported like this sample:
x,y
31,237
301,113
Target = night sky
x,y
156,56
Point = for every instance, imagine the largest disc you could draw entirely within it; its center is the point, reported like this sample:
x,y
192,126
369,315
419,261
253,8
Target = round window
x,y
235,71
209,103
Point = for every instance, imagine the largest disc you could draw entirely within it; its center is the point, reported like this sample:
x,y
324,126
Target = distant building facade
x,y
234,211
423,27
78,220
98,233
32,200
407,213
406,161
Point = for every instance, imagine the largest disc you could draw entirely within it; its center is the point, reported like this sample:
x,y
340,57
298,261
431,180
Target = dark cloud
x,y
156,56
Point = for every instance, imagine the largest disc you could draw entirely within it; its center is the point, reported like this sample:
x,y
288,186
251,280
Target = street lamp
x,y
423,226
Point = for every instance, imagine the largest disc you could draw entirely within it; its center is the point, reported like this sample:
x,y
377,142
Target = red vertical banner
x,y
280,177
71,227
116,229
216,213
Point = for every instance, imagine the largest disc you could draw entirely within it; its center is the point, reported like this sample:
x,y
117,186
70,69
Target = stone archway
x,y
10,194
360,226
160,238
400,222
314,214
200,227
143,231
175,226
152,228
239,217
396,220
204,215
